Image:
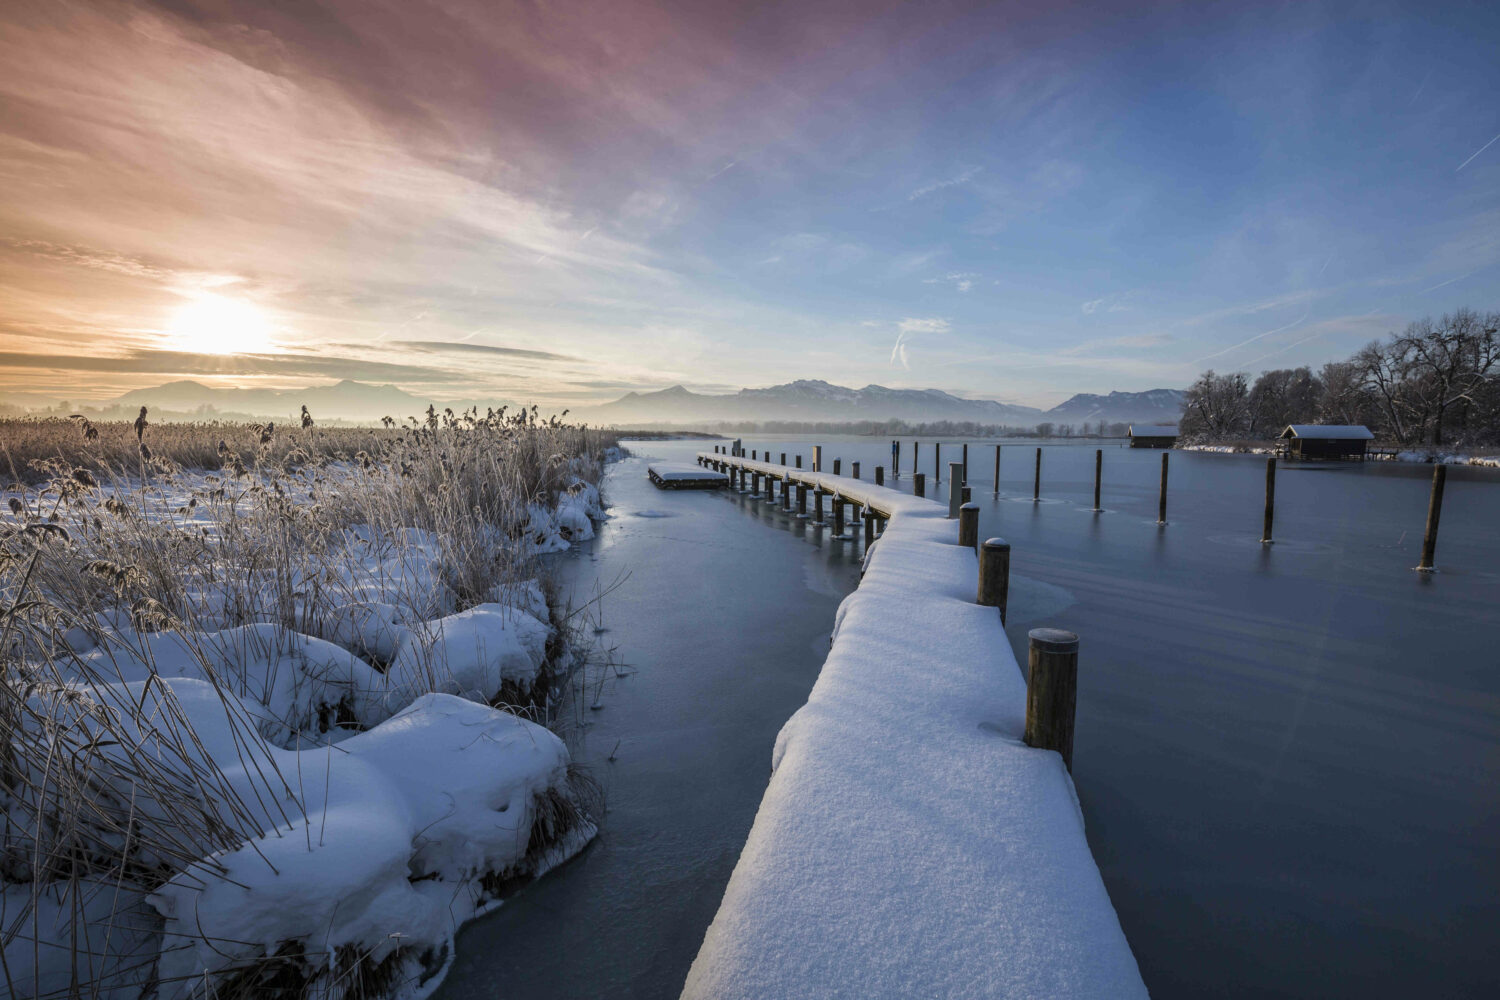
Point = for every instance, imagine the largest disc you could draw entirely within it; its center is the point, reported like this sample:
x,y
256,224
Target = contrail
x,y
1476,153
1282,350
1253,339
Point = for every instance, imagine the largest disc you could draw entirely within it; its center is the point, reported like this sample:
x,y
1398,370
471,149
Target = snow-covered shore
x,y
909,842
1416,456
321,806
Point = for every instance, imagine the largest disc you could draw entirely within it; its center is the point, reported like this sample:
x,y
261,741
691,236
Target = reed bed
x,y
114,532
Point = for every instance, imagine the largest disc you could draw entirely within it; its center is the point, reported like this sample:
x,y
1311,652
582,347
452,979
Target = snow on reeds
x,y
249,681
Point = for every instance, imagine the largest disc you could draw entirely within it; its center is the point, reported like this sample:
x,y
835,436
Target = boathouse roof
x,y
1329,432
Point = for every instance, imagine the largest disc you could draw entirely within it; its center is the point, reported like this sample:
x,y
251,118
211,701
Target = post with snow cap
x,y
1161,504
955,488
968,525
1052,691
817,505
801,499
1036,484
879,475
919,484
838,515
1265,531
994,575
1434,511
817,458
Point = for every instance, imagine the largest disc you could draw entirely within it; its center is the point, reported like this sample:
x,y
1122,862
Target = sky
x,y
562,202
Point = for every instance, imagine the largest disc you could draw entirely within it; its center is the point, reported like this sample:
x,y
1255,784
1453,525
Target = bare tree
x,y
1216,407
1449,362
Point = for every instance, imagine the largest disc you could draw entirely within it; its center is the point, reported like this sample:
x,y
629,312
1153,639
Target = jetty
x,y
685,476
920,835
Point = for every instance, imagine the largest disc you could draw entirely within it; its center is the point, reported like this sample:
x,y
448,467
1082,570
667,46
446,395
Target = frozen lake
x,y
1287,756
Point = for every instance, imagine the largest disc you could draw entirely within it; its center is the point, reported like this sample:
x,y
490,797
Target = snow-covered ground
x,y
1419,456
335,805
909,843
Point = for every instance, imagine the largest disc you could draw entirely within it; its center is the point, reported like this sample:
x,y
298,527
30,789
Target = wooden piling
x,y
916,448
955,488
818,505
817,458
1161,504
919,484
799,461
1052,691
968,525
854,469
783,458
869,528
786,493
966,494
838,515
879,475
1434,511
965,462
1036,485
994,575
1098,476
755,484
836,463
770,488
754,455
896,459
997,470
1265,531
937,462
801,499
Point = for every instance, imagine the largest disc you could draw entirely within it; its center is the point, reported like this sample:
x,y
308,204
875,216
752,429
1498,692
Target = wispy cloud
x,y
913,327
927,189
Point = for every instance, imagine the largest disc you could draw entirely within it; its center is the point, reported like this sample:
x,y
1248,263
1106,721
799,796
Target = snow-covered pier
x,y
910,843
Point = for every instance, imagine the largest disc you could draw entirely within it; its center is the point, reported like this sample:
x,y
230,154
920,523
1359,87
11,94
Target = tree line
x,y
1437,382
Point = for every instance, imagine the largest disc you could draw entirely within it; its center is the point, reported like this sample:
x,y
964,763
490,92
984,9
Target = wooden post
x,y
937,462
817,458
896,459
966,494
854,469
786,493
869,528
1098,476
955,488
783,458
770,488
1265,531
801,499
817,505
879,475
1036,485
1161,505
994,575
799,461
916,448
836,463
997,470
1434,511
968,525
919,484
755,484
1052,691
838,515
966,461
754,455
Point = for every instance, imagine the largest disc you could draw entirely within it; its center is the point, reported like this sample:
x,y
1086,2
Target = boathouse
x,y
1325,441
1153,436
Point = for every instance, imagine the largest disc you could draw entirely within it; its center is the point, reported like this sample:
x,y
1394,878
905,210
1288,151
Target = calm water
x,y
1287,756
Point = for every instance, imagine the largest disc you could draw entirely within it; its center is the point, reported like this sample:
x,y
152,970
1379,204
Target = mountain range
x,y
813,400
805,400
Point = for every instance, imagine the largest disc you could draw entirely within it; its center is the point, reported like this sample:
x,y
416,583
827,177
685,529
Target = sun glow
x,y
212,324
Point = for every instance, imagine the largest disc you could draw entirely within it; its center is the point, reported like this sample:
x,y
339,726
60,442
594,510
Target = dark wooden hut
x,y
1325,441
1153,436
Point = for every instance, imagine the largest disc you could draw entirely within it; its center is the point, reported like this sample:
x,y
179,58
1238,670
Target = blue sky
x,y
1010,201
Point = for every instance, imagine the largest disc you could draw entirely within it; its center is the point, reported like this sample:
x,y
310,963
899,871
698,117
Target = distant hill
x,y
816,400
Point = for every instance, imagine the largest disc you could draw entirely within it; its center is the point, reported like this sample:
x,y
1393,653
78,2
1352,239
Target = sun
x,y
212,324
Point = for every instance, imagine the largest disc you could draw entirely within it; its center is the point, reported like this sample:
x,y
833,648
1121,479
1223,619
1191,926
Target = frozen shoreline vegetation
x,y
279,729
910,844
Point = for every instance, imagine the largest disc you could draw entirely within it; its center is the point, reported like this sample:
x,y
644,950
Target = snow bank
x,y
909,843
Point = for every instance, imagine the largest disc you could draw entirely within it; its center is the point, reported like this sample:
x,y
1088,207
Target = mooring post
x,y
919,484
955,488
1434,511
966,461
799,461
937,462
783,458
1052,691
916,447
968,525
801,499
1036,485
786,493
966,494
1098,476
755,484
1161,506
879,475
770,488
997,470
818,505
994,575
896,459
869,528
754,455
1265,531
838,515
817,458
836,463
854,469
